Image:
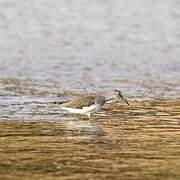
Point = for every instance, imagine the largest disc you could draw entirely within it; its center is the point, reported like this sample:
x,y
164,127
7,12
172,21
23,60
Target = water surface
x,y
55,50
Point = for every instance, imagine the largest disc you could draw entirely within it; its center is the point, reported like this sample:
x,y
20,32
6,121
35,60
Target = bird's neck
x,y
108,98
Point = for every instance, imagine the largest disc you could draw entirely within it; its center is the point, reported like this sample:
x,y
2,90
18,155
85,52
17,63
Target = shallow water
x,y
136,142
55,50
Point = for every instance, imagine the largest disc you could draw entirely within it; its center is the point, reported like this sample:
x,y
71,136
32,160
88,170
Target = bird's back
x,y
87,101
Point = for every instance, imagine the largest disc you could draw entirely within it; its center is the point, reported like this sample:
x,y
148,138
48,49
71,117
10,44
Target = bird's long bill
x,y
124,99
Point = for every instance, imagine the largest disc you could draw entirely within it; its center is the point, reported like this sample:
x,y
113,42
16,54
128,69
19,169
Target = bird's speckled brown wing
x,y
81,102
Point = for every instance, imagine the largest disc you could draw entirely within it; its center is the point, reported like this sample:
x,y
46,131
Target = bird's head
x,y
117,96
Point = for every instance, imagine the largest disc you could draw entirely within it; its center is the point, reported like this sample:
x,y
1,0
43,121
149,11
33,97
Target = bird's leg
x,y
89,116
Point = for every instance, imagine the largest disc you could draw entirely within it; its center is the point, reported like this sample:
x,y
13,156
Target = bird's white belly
x,y
84,110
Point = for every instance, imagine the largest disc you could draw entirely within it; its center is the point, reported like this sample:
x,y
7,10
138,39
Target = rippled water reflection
x,y
55,50
141,140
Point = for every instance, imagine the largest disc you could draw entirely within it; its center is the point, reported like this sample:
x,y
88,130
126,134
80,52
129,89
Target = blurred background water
x,y
90,46
52,50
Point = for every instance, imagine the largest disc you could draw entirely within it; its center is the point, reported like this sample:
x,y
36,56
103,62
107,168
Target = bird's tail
x,y
55,103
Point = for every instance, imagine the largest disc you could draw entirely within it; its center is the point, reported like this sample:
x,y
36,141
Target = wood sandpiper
x,y
92,103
